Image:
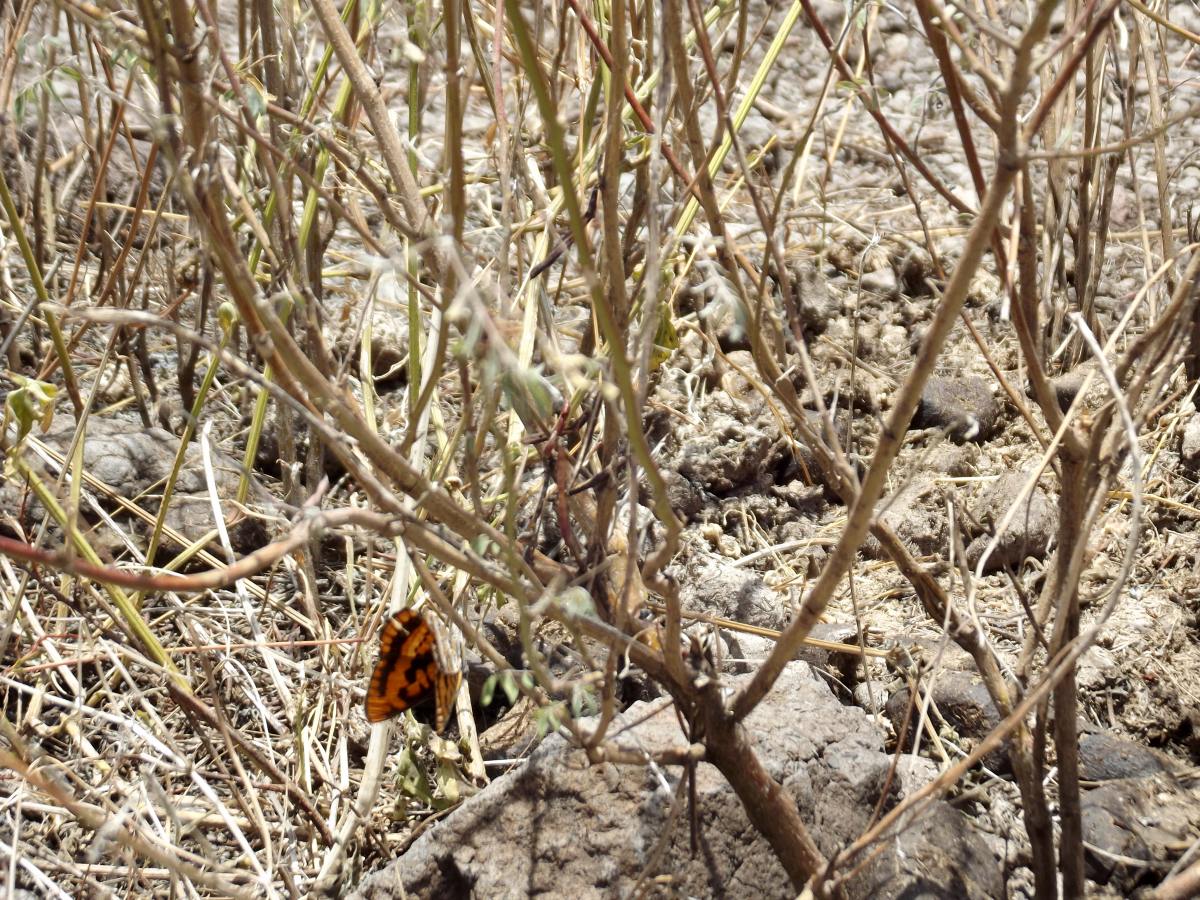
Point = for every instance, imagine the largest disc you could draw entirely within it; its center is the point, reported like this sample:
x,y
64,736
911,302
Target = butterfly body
x,y
410,672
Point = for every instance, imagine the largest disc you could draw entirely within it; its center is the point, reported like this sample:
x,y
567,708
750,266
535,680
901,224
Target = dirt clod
x,y
963,406
1028,533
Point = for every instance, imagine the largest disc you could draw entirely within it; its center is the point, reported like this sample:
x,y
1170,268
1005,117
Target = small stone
x,y
829,12
1189,450
881,281
818,305
984,290
840,331
869,695
728,547
893,341
897,45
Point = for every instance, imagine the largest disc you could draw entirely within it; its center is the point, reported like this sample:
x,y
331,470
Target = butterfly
x,y
409,672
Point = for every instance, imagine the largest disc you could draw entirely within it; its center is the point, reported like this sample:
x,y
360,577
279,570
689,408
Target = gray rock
x,y
915,772
964,406
713,585
746,651
1152,820
1189,450
133,460
818,305
559,826
389,340
743,652
963,701
917,514
1028,535
1104,756
882,281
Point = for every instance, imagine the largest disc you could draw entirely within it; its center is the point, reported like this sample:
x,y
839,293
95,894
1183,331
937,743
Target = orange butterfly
x,y
409,672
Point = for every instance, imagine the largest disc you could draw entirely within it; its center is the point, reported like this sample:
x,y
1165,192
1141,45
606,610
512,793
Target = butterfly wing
x,y
449,674
447,689
407,671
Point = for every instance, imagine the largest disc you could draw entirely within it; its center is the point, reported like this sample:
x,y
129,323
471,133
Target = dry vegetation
x,y
311,313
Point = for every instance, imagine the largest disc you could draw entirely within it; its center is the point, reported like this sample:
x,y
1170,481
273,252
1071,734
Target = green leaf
x,y
449,786
666,340
548,718
483,545
577,602
583,700
19,104
531,396
488,690
508,683
411,778
255,101
32,402
227,317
